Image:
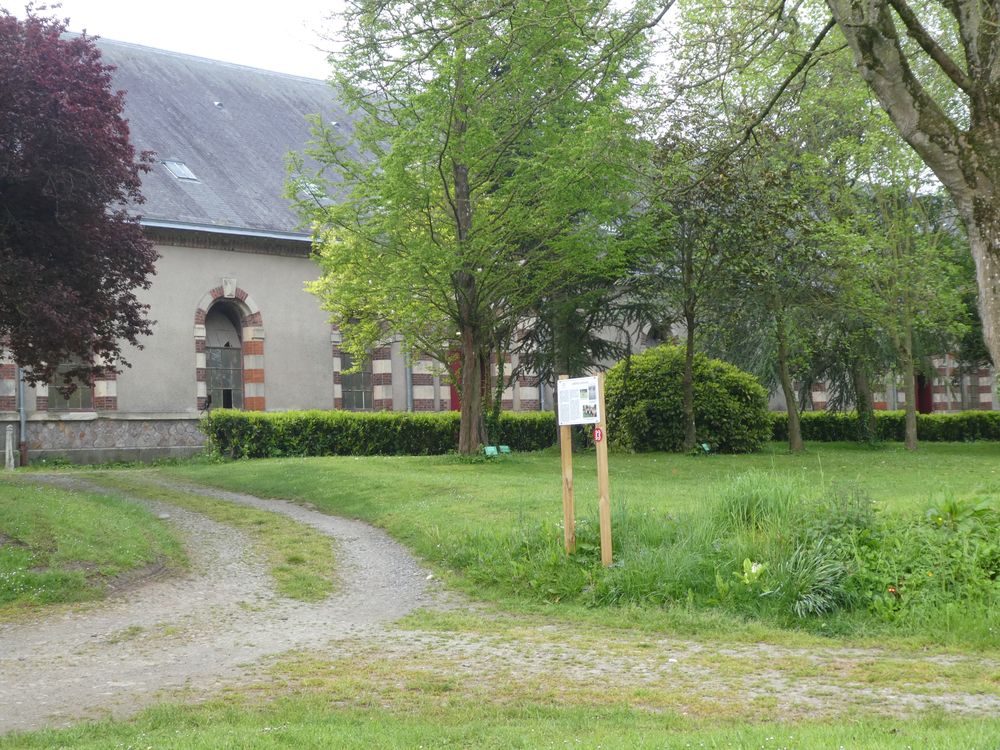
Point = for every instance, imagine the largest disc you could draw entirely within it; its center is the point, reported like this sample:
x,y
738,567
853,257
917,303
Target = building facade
x,y
234,324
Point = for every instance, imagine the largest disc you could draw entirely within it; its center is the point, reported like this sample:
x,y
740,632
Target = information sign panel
x,y
578,401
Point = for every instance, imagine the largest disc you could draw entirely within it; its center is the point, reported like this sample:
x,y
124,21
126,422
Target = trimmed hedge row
x,y
241,434
826,426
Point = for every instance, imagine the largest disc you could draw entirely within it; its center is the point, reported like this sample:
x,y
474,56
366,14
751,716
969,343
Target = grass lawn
x,y
409,495
496,524
426,716
61,546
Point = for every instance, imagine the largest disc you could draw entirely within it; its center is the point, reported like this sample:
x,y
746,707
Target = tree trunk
x,y
794,428
687,384
470,435
984,240
863,402
909,389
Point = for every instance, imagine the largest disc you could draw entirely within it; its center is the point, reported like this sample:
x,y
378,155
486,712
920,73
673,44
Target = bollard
x,y
8,449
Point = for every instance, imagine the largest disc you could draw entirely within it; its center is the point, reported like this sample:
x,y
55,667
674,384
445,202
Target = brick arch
x,y
254,397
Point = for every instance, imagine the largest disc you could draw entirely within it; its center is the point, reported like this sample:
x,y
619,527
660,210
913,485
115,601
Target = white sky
x,y
286,36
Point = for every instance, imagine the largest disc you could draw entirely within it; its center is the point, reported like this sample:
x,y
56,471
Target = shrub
x,y
826,426
645,403
241,434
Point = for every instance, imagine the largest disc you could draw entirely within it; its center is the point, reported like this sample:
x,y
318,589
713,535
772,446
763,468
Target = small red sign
x,y
598,434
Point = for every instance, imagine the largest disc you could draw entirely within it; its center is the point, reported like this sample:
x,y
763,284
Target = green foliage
x,y
829,426
240,434
644,397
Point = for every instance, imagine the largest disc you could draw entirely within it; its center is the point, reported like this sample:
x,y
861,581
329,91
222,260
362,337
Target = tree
x,y
912,287
933,69
482,171
71,255
702,223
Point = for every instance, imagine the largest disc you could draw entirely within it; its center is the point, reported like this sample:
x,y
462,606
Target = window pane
x,y
82,398
231,358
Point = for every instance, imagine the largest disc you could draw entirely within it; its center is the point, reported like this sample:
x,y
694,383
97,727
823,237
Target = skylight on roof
x,y
180,170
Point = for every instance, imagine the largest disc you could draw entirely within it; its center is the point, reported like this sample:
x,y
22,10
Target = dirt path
x,y
197,631
212,627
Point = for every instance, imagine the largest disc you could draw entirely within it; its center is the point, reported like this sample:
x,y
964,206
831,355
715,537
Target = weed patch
x,y
766,549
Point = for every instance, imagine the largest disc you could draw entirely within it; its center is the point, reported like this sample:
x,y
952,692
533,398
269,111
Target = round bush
x,y
645,407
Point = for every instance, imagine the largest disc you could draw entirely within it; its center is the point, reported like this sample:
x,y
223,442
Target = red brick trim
x,y
8,403
338,403
423,378
530,404
383,352
41,403
423,404
253,403
527,381
985,389
382,378
382,404
106,403
8,372
507,403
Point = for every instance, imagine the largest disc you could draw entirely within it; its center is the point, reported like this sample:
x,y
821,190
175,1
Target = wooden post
x,y
603,492
566,452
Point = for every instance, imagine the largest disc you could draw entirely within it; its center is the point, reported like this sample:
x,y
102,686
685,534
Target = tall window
x,y
82,399
356,387
224,357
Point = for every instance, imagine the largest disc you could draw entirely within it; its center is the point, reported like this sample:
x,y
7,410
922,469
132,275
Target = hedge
x,y
242,434
826,426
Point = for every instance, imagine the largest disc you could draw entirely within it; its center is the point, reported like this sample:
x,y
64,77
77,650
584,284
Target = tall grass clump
x,y
771,548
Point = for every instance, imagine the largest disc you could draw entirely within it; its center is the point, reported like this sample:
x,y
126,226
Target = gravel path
x,y
200,630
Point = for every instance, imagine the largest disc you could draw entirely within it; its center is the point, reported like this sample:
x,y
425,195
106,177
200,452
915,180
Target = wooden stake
x,y
603,491
569,516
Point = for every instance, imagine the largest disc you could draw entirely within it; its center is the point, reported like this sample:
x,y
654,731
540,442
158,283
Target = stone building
x,y
234,326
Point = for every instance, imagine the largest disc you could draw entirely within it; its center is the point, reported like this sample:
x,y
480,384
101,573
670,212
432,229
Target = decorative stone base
x,y
87,437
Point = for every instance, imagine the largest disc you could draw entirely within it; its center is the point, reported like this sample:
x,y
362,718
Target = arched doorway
x,y
228,321
224,355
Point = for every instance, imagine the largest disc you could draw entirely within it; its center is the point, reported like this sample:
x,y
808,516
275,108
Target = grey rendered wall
x,y
297,354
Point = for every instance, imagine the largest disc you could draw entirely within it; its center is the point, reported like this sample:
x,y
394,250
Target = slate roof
x,y
236,148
